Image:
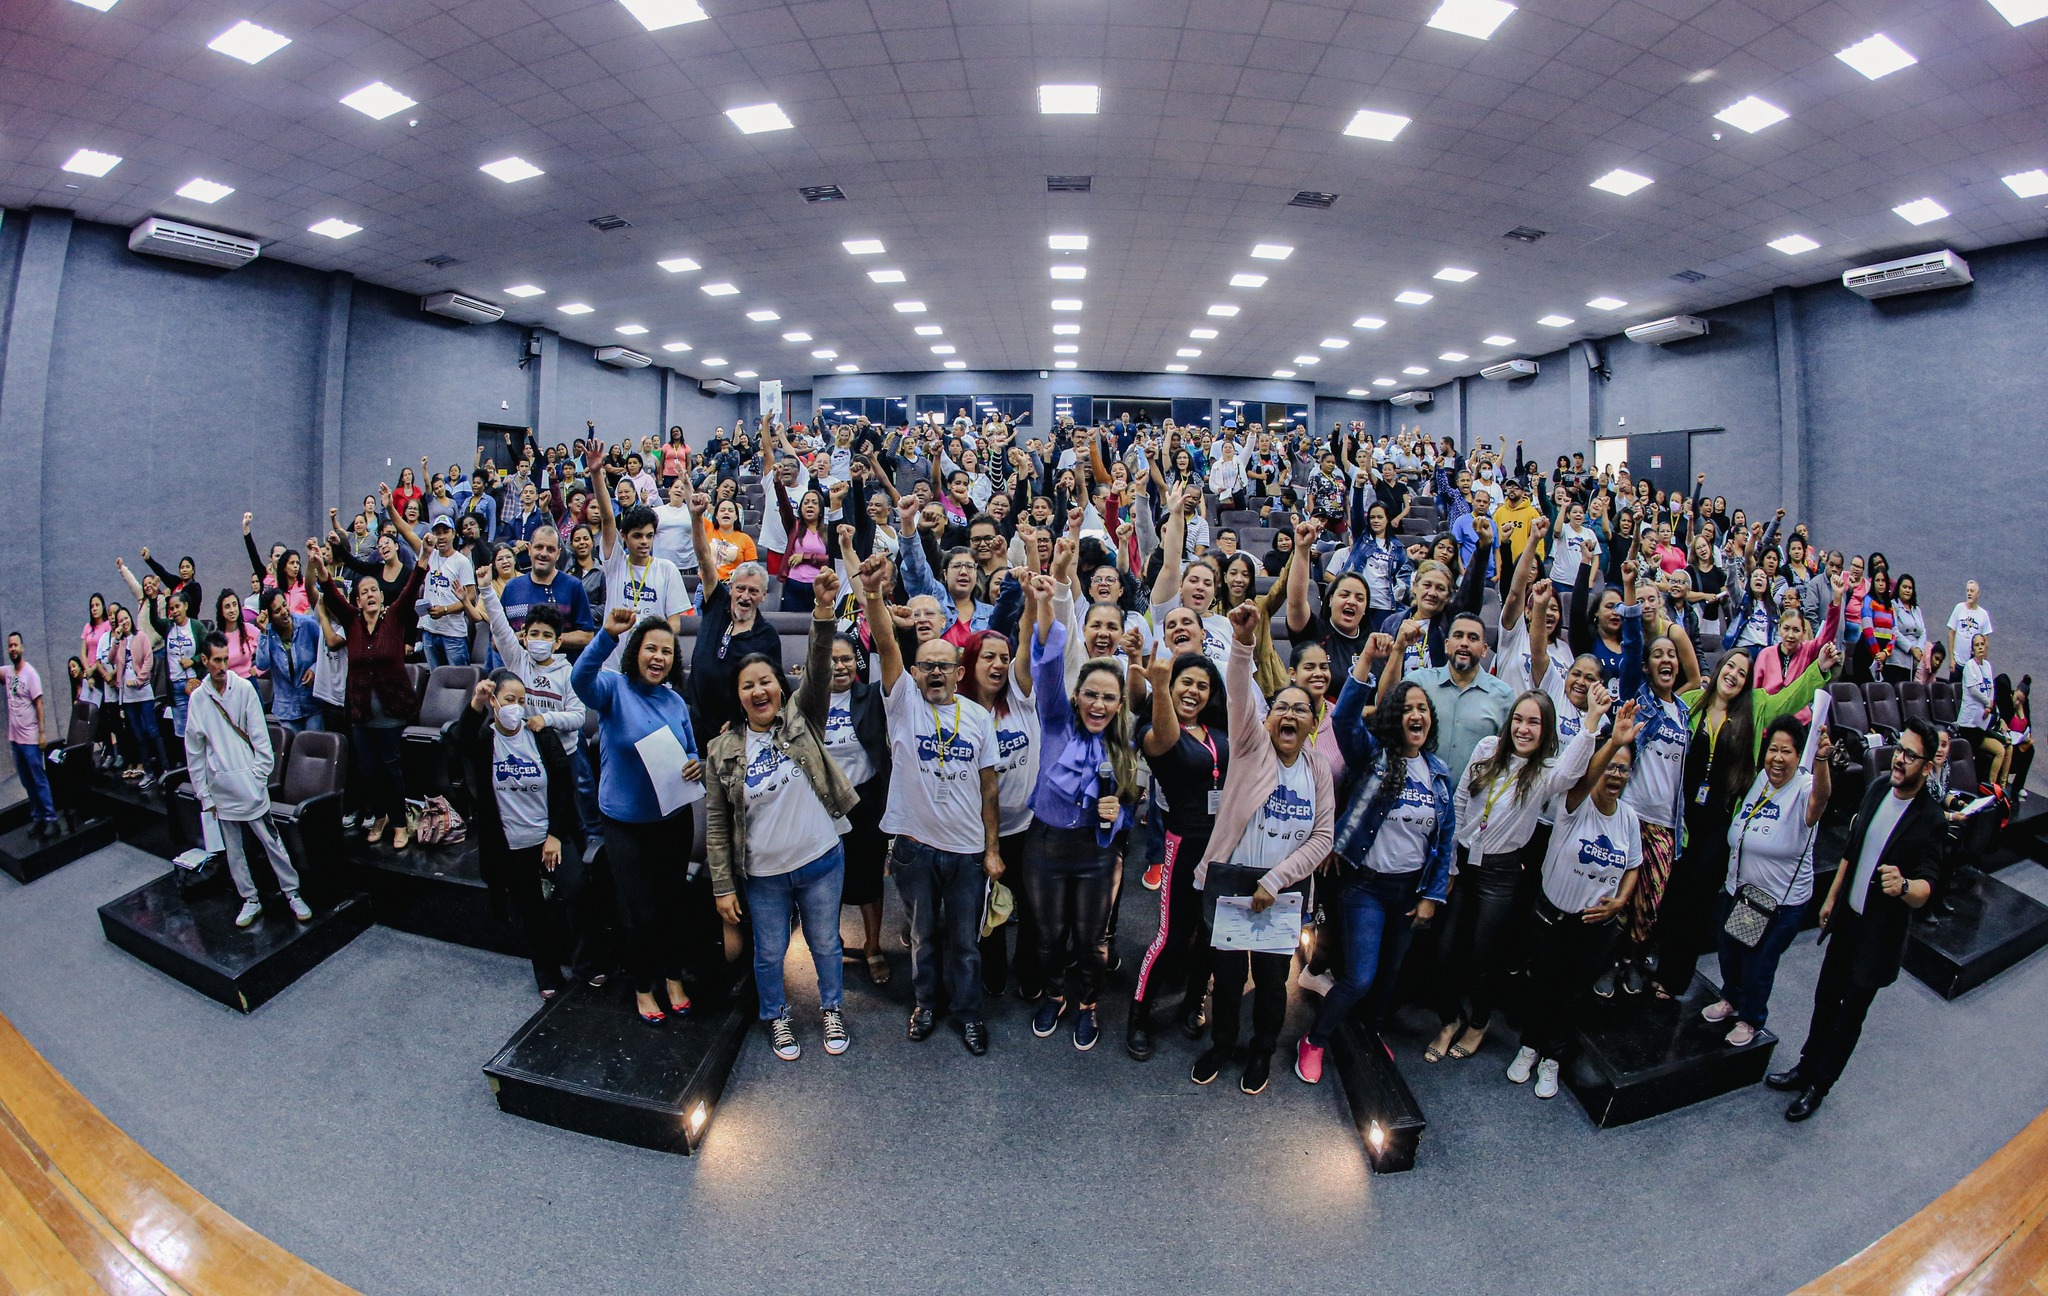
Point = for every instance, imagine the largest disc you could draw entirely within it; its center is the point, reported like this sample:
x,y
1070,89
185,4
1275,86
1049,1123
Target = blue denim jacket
x,y
1360,824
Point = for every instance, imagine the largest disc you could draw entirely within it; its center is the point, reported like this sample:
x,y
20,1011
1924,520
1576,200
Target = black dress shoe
x,y
1806,1104
974,1034
920,1024
1193,1020
1787,1081
1138,1031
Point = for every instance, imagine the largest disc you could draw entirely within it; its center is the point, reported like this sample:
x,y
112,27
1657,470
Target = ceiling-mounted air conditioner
x,y
619,357
1412,398
718,387
1943,269
471,310
1508,369
159,237
1674,328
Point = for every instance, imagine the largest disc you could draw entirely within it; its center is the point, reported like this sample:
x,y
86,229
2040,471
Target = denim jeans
x,y
181,702
1747,974
294,724
445,650
1376,930
942,895
142,722
28,767
815,890
586,791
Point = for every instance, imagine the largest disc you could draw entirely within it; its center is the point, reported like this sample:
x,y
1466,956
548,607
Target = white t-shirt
x,y
521,784
180,645
774,537
1770,845
1514,663
1403,841
1972,712
787,826
1660,763
653,590
672,538
445,578
330,674
1968,624
1756,627
1017,735
1216,631
1565,555
936,758
1890,809
842,742
1283,823
1589,854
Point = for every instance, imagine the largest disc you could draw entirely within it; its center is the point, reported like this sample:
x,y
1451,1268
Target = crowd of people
x,y
1470,732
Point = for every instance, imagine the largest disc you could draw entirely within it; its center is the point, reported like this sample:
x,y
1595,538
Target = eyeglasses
x,y
1292,708
1906,754
934,668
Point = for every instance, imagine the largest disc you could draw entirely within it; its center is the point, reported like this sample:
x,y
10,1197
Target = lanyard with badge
x,y
1494,793
939,730
1215,771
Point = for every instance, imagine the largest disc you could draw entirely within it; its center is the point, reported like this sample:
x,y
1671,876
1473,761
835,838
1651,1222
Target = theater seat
x,y
1846,693
1886,718
69,762
1880,691
280,750
1914,691
1943,710
306,803
424,756
1917,709
263,692
1941,689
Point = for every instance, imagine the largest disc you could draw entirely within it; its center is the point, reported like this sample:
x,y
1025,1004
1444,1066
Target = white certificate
x,y
1277,930
661,752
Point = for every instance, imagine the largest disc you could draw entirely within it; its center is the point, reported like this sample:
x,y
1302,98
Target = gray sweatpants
x,y
273,846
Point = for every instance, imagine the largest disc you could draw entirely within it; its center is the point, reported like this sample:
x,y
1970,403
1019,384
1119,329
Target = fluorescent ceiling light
x,y
1384,382
1921,210
1454,356
1452,274
1065,364
945,349
334,228
2017,12
909,307
378,101
1189,352
796,337
1368,322
1413,298
1416,369
928,330
511,169
863,247
524,290
1202,333
2027,184
756,118
1471,17
1067,242
1367,124
715,362
825,354
1176,368
1335,344
1794,244
886,276
1555,321
1272,251
675,346
956,364
658,15
1247,281
1069,98
631,330
576,308
745,373
1066,330
1066,303
762,316
89,162
1876,57
104,5
1223,310
676,265
1283,373
1308,359
1621,182
1066,348
207,191
1752,114
1069,272
718,290
1607,303
1498,340
248,42
846,368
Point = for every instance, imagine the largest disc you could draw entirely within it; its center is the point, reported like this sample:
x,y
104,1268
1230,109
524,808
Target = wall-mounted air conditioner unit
x,y
454,305
1674,329
1912,274
1412,398
159,237
718,387
619,357
1510,369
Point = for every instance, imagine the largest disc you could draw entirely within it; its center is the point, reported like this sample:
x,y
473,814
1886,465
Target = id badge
x,y
1215,801
1701,799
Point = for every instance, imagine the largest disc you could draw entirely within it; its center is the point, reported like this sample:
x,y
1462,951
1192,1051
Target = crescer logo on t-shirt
x,y
1012,745
1287,813
1601,855
1416,805
949,757
1762,815
768,770
514,769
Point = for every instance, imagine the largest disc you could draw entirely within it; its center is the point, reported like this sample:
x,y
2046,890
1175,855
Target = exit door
x,y
502,443
1664,459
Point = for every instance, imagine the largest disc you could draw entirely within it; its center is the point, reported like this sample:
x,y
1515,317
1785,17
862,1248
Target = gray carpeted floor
x,y
348,1120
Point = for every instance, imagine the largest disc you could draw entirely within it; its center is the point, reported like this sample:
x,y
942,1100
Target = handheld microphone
x,y
1105,780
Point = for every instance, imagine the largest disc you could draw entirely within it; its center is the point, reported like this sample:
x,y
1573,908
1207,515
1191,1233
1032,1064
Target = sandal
x,y
375,832
1468,1043
1435,1051
399,838
878,968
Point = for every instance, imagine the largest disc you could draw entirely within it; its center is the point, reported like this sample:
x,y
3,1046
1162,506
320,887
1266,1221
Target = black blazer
x,y
473,748
1876,938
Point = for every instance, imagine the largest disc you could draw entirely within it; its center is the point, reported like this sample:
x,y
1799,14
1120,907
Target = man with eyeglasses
x,y
942,812
1888,870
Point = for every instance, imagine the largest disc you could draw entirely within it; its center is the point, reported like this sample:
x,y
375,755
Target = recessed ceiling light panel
x,y
1066,303
1247,281
1417,370
631,330
762,316
1188,353
1794,244
1283,373
756,118
1555,321
524,290
796,337
718,290
1607,303
1454,356
2029,184
1367,124
1877,56
909,307
1223,310
1058,99
248,42
675,346
1067,242
1498,340
1452,274
334,228
1414,298
207,191
1921,210
1476,18
511,170
1751,114
378,101
1335,343
576,308
91,162
886,276
1066,330
677,265
1368,322
659,15
928,330
1622,182
1272,251
863,247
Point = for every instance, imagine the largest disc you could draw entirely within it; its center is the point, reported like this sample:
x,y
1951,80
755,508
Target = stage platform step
x,y
435,891
141,819
1641,1057
1992,927
26,855
1389,1120
586,1062
195,940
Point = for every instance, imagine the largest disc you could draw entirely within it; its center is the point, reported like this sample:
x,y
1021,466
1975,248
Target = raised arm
x,y
404,528
1472,589
1622,735
814,694
1525,566
1298,610
1173,539
872,573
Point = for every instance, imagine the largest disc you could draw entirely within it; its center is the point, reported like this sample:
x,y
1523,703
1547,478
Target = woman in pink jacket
x,y
1274,826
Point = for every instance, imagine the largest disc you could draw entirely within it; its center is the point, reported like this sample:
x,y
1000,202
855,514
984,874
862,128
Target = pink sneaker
x,y
1308,1062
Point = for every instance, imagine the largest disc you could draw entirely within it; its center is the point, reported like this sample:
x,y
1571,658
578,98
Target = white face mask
x,y
511,715
540,649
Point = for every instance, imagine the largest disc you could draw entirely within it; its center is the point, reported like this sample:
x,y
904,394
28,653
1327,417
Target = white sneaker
x,y
1719,1011
1318,983
1546,1078
1520,1069
782,1037
300,909
251,911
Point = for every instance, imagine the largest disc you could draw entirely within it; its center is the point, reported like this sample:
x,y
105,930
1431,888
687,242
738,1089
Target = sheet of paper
x,y
1275,931
661,752
1823,706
